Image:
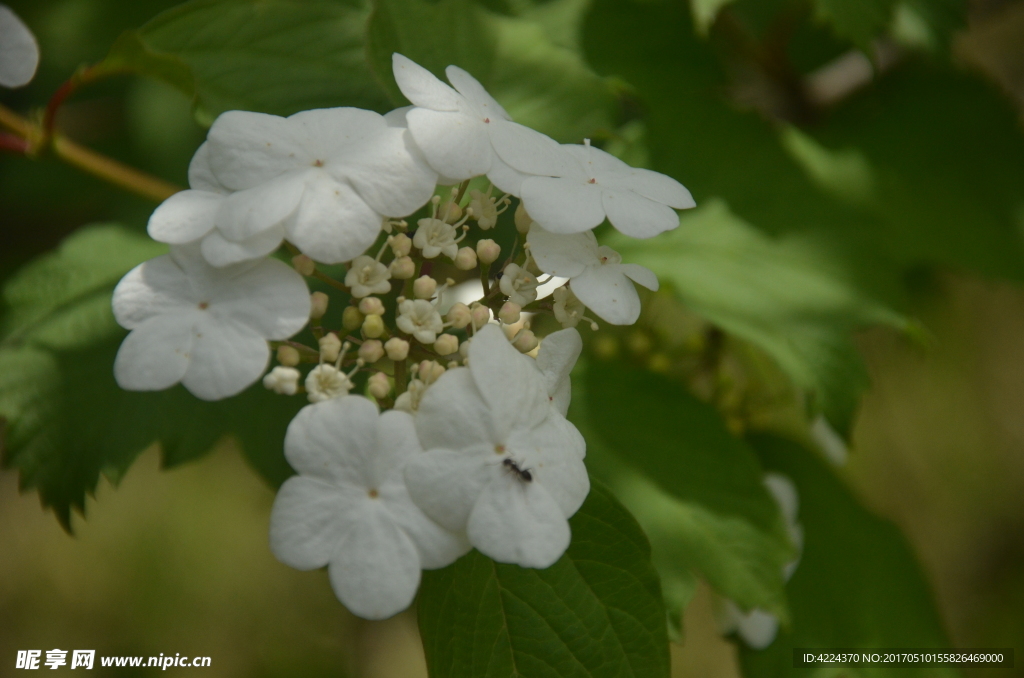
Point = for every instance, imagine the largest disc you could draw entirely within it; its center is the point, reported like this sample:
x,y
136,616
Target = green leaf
x,y
858,583
274,56
542,85
695,488
781,296
596,612
858,20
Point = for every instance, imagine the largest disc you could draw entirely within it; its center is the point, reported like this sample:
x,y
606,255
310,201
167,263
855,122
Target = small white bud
x,y
283,380
523,220
446,344
465,260
509,312
526,341
371,351
481,315
430,371
397,348
330,347
424,287
287,356
459,315
371,306
351,318
403,268
318,305
488,251
379,386
373,326
401,245
303,264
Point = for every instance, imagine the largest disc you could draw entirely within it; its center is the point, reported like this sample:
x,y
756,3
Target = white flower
x,y
326,179
203,326
327,382
420,318
454,127
19,52
436,237
518,284
367,276
555,359
485,208
568,308
575,187
502,462
283,380
596,275
348,508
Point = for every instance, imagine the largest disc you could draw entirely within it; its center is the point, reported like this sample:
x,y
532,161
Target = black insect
x,y
522,473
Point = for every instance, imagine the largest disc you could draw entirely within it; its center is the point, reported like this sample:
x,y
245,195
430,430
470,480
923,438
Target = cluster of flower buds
x,y
459,438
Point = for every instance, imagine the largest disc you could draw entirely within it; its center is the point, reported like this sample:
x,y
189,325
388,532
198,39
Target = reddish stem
x,y
14,144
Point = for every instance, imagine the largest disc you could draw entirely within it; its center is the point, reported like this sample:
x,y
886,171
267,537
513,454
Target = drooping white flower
x,y
502,463
596,274
518,284
19,51
367,276
572,188
203,326
349,509
421,319
326,179
454,127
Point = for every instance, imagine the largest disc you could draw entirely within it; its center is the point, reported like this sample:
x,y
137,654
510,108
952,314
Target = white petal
x,y
454,143
219,251
565,256
155,355
533,153
445,484
510,383
248,149
335,440
597,163
475,94
608,292
226,357
453,414
271,297
504,177
375,571
200,174
562,205
19,52
307,522
153,288
396,118
758,628
392,175
184,217
556,358
640,275
437,546
518,522
396,444
421,87
635,215
554,453
244,214
653,185
333,224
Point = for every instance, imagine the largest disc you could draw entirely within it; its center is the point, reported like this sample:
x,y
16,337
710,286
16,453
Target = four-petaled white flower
x,y
367,276
572,188
326,179
434,237
454,127
596,274
349,509
203,326
19,52
502,462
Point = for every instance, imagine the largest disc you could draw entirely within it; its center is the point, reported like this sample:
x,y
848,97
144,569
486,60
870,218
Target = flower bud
x,y
287,356
396,348
401,245
459,315
378,385
523,219
450,212
372,350
402,268
509,312
487,251
373,326
371,306
430,371
481,315
526,341
283,380
330,347
465,260
351,319
424,287
446,344
464,351
318,305
303,264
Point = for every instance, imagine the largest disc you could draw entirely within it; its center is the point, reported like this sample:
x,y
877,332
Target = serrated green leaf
x,y
596,612
542,85
857,584
273,56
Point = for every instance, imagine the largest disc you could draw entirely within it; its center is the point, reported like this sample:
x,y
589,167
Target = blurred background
x,y
177,561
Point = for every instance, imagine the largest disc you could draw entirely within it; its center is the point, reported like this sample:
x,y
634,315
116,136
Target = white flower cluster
x,y
461,439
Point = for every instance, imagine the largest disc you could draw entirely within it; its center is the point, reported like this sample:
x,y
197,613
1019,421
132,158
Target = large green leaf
x,y
542,85
274,56
858,583
695,488
596,612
